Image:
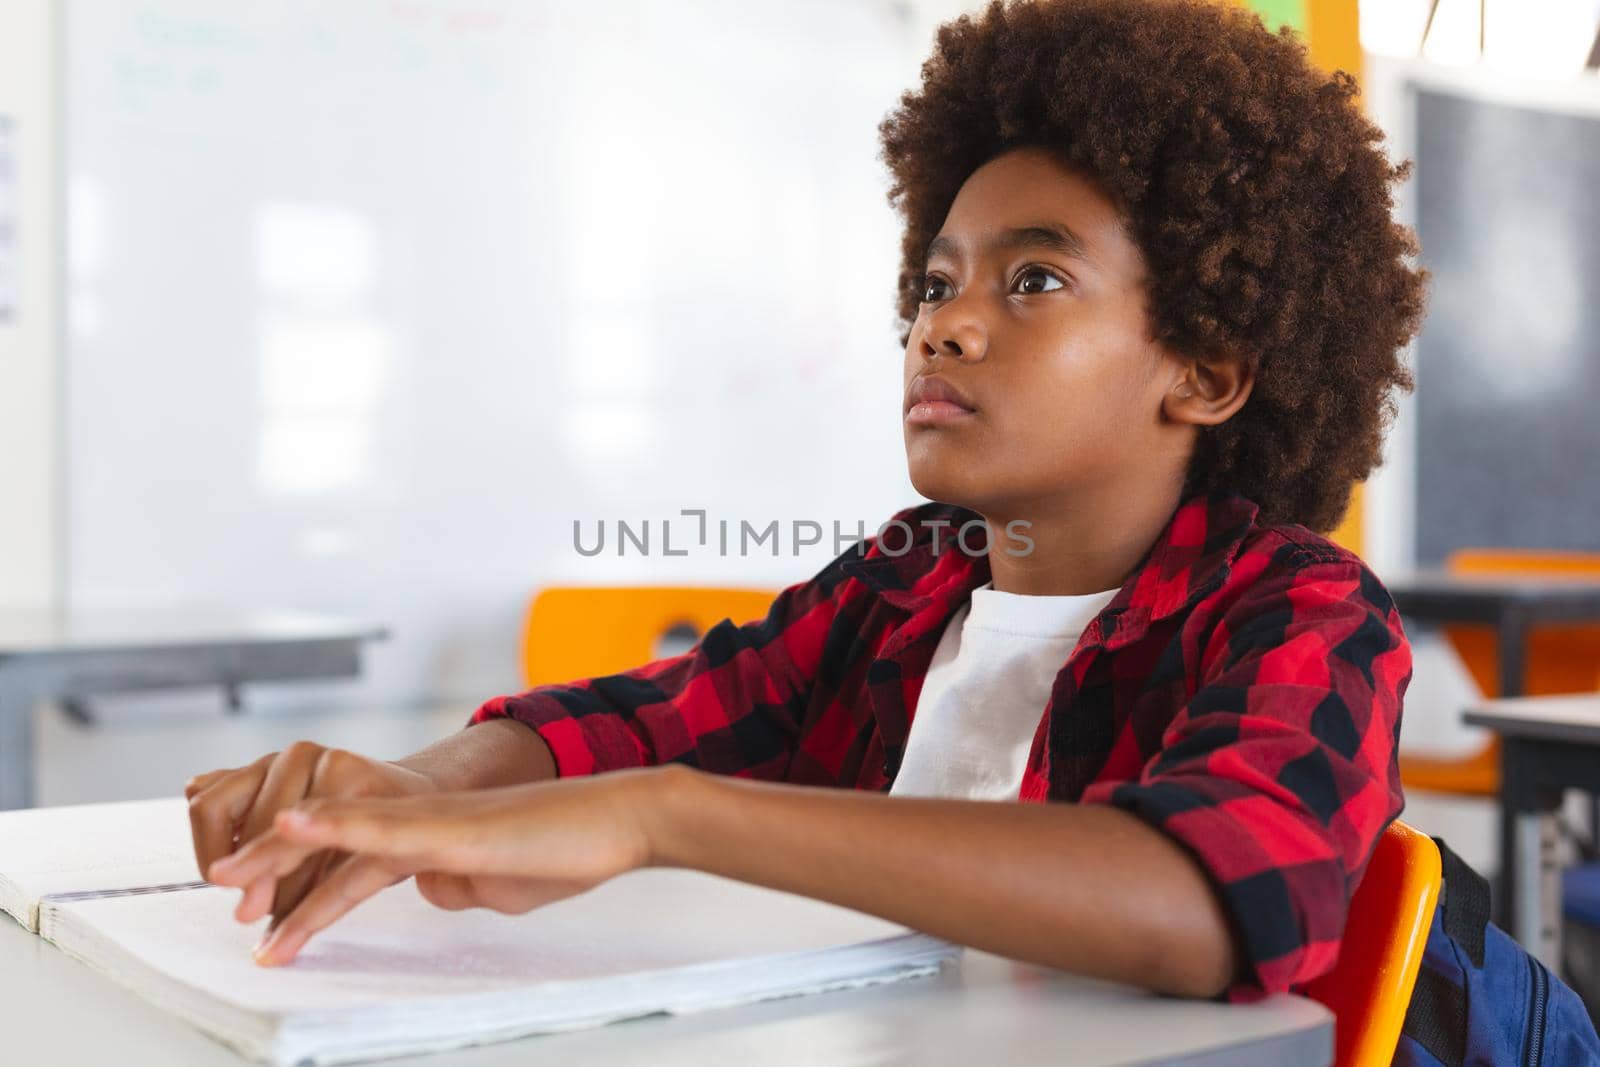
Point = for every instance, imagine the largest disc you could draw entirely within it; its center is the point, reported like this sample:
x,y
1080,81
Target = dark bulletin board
x,y
1508,362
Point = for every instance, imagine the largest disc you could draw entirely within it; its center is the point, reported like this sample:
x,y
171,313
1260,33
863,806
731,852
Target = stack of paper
x,y
397,976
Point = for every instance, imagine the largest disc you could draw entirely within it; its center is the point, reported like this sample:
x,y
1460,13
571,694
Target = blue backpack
x,y
1480,999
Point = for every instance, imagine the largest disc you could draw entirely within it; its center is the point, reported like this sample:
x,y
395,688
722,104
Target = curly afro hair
x,y
1252,184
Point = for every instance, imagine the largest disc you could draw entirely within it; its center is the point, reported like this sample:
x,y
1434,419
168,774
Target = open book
x,y
115,885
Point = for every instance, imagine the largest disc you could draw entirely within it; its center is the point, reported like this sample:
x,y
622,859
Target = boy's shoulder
x,y
1215,552
1291,553
1300,546
1287,583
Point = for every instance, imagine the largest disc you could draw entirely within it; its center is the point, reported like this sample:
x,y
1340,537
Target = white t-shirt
x,y
986,690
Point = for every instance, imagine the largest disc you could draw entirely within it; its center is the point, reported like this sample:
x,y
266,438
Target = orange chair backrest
x,y
1369,989
574,632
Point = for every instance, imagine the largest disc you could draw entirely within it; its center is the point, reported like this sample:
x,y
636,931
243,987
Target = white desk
x,y
1547,745
62,656
988,1011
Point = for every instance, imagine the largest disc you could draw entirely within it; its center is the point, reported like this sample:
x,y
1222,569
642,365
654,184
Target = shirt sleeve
x,y
732,704
1281,772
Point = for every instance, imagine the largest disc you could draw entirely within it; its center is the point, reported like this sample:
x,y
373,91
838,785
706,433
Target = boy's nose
x,y
962,339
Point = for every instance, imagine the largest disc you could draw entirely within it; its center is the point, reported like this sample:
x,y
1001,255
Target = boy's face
x,y
1059,389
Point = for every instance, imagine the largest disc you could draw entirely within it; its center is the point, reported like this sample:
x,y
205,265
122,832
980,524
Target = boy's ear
x,y
1209,390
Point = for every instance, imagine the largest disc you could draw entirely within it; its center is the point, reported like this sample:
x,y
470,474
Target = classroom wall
x,y
29,422
529,268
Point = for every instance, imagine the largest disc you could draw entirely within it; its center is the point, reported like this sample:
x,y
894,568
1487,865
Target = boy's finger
x,y
447,890
287,782
399,828
349,885
256,901
200,782
278,896
269,856
217,810
293,887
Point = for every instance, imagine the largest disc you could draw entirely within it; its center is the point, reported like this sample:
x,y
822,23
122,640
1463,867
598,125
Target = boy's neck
x,y
1083,545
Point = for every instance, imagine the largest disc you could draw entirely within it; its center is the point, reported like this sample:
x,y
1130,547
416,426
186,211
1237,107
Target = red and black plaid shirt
x,y
1241,693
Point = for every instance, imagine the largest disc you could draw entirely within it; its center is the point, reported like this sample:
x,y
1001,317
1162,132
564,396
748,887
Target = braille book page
x,y
91,848
398,975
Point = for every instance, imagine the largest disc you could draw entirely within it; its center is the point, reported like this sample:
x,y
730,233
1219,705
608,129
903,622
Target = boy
x,y
1152,301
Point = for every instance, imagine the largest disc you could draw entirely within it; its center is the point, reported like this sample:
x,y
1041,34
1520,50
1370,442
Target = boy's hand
x,y
510,849
229,808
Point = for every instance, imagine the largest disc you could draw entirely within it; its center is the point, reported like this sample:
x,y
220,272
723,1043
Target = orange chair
x,y
1369,989
576,632
1561,659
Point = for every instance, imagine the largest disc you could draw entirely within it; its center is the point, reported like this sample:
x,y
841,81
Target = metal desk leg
x,y
1506,891
1537,921
16,751
1511,646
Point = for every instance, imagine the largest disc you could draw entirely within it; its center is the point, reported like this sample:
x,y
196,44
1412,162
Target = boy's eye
x,y
930,289
1038,274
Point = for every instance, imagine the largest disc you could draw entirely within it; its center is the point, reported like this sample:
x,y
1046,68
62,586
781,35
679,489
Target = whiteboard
x,y
368,302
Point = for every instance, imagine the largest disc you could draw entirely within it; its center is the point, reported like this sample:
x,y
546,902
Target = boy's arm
x,y
733,704
503,753
1281,772
1089,889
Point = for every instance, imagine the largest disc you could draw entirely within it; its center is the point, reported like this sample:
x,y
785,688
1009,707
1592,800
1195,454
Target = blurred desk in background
x,y
69,656
1514,604
1548,744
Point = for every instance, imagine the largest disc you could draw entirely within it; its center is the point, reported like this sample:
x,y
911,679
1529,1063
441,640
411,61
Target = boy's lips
x,y
932,399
